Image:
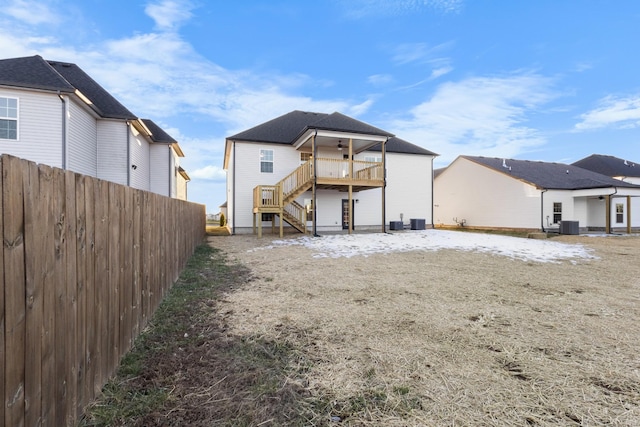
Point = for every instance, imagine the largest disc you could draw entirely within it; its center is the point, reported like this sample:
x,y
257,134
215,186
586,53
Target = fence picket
x,y
84,264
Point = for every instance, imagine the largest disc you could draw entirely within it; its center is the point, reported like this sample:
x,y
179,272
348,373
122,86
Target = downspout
x,y
384,185
64,131
315,182
172,170
542,209
432,195
608,212
233,195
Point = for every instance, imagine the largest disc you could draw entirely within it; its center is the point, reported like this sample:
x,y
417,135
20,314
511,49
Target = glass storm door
x,y
345,213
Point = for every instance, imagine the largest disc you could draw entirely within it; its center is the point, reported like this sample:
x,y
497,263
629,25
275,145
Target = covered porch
x,y
322,173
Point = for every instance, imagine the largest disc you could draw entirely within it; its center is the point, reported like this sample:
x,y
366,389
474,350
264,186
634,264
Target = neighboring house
x,y
183,179
324,172
54,113
621,169
499,193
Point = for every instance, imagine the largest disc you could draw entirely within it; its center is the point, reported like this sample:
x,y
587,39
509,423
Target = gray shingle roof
x,y
157,133
32,72
287,128
609,165
553,176
397,145
104,103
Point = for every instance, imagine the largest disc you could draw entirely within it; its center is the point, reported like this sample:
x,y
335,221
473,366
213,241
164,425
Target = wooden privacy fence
x,y
84,264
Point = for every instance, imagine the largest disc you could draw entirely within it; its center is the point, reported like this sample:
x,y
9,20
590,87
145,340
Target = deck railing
x,y
274,196
299,177
297,211
267,196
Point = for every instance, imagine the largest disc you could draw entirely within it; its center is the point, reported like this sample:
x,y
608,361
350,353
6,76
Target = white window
x,y
266,161
557,213
619,213
8,118
372,159
305,157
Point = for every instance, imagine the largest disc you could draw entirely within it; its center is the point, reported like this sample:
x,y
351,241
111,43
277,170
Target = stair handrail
x,y
300,177
298,213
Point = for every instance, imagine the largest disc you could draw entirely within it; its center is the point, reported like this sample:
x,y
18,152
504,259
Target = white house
x,y
623,170
325,172
496,193
54,113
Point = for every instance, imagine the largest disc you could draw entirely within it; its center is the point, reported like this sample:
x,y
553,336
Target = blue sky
x,y
547,80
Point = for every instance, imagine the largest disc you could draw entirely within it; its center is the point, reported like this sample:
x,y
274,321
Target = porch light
x,y
339,145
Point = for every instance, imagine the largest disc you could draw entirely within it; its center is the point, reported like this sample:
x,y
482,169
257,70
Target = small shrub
x,y
223,220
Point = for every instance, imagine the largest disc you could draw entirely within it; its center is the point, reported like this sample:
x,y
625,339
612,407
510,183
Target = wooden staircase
x,y
280,199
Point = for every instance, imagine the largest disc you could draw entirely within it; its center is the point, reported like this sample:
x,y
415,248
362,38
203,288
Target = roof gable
x,y
556,176
32,72
103,102
288,127
609,165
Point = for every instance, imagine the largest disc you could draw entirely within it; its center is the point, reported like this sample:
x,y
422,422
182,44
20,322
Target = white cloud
x,y
357,9
612,112
30,12
478,116
209,173
169,14
439,72
380,79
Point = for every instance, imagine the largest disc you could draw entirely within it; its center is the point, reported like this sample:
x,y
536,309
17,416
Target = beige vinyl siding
x,y
409,189
485,198
40,127
112,151
181,188
82,144
139,146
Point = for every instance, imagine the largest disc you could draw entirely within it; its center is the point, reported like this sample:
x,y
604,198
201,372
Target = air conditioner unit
x,y
569,227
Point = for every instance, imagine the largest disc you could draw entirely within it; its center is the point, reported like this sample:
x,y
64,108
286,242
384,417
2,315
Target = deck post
x,y
281,205
314,205
259,224
350,209
350,186
254,223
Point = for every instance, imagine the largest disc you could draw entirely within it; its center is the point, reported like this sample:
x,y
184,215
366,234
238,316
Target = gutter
x,y
64,131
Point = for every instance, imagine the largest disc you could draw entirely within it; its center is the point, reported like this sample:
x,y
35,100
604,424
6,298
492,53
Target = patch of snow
x,y
338,246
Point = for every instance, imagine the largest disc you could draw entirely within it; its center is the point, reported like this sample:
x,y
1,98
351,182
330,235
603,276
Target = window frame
x,y
8,118
376,159
619,213
305,157
264,161
557,212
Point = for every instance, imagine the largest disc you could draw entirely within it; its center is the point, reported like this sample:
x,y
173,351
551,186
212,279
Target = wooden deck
x,y
333,174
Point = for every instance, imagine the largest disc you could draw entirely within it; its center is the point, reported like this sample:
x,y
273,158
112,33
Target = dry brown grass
x,y
447,337
216,230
